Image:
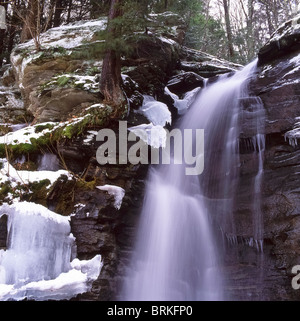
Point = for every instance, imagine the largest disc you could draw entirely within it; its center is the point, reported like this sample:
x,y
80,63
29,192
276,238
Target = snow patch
x,y
23,135
117,192
90,137
15,177
182,105
154,136
69,36
293,135
156,112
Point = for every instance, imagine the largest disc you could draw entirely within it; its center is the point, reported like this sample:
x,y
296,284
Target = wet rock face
x,y
203,64
98,226
285,40
276,83
184,82
12,109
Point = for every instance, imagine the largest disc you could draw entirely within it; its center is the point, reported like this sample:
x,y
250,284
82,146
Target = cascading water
x,y
176,257
49,162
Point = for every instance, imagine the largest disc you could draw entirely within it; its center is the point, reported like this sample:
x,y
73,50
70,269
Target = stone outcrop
x,y
59,78
267,276
286,39
12,109
204,64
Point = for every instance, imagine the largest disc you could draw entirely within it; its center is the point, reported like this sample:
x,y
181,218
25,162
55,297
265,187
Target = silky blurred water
x,y
176,255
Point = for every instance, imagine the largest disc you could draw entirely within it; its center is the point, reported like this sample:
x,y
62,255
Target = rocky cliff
x,y
57,92
268,275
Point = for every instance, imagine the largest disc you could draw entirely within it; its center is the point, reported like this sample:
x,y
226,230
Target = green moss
x,y
62,81
38,192
4,190
96,117
7,192
68,81
92,71
17,150
21,149
84,185
40,128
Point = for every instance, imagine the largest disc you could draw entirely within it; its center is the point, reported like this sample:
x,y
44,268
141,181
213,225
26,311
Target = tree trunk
x,y
12,22
69,11
166,4
110,83
269,19
250,34
57,13
228,29
31,25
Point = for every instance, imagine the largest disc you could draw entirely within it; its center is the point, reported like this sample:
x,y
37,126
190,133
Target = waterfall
x,y
176,256
49,162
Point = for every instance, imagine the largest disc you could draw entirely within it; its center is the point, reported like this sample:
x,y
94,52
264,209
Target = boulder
x,y
285,40
184,82
59,78
204,64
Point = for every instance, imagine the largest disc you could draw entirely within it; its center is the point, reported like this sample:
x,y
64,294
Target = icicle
x,y
40,261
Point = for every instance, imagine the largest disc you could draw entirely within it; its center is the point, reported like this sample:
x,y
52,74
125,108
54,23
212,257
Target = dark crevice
x,y
3,232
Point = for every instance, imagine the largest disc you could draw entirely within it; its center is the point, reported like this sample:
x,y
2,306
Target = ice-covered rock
x,y
116,191
155,111
40,261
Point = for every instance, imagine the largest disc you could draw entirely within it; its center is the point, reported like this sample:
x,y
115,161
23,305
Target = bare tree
x,y
226,4
31,18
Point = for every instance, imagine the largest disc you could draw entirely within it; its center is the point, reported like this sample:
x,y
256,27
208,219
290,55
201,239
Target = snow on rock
x,y
63,40
9,173
23,135
154,136
182,105
117,192
91,135
156,112
295,62
286,29
69,36
88,83
293,135
283,41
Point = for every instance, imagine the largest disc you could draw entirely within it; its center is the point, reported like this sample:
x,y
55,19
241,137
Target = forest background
x,y
229,29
